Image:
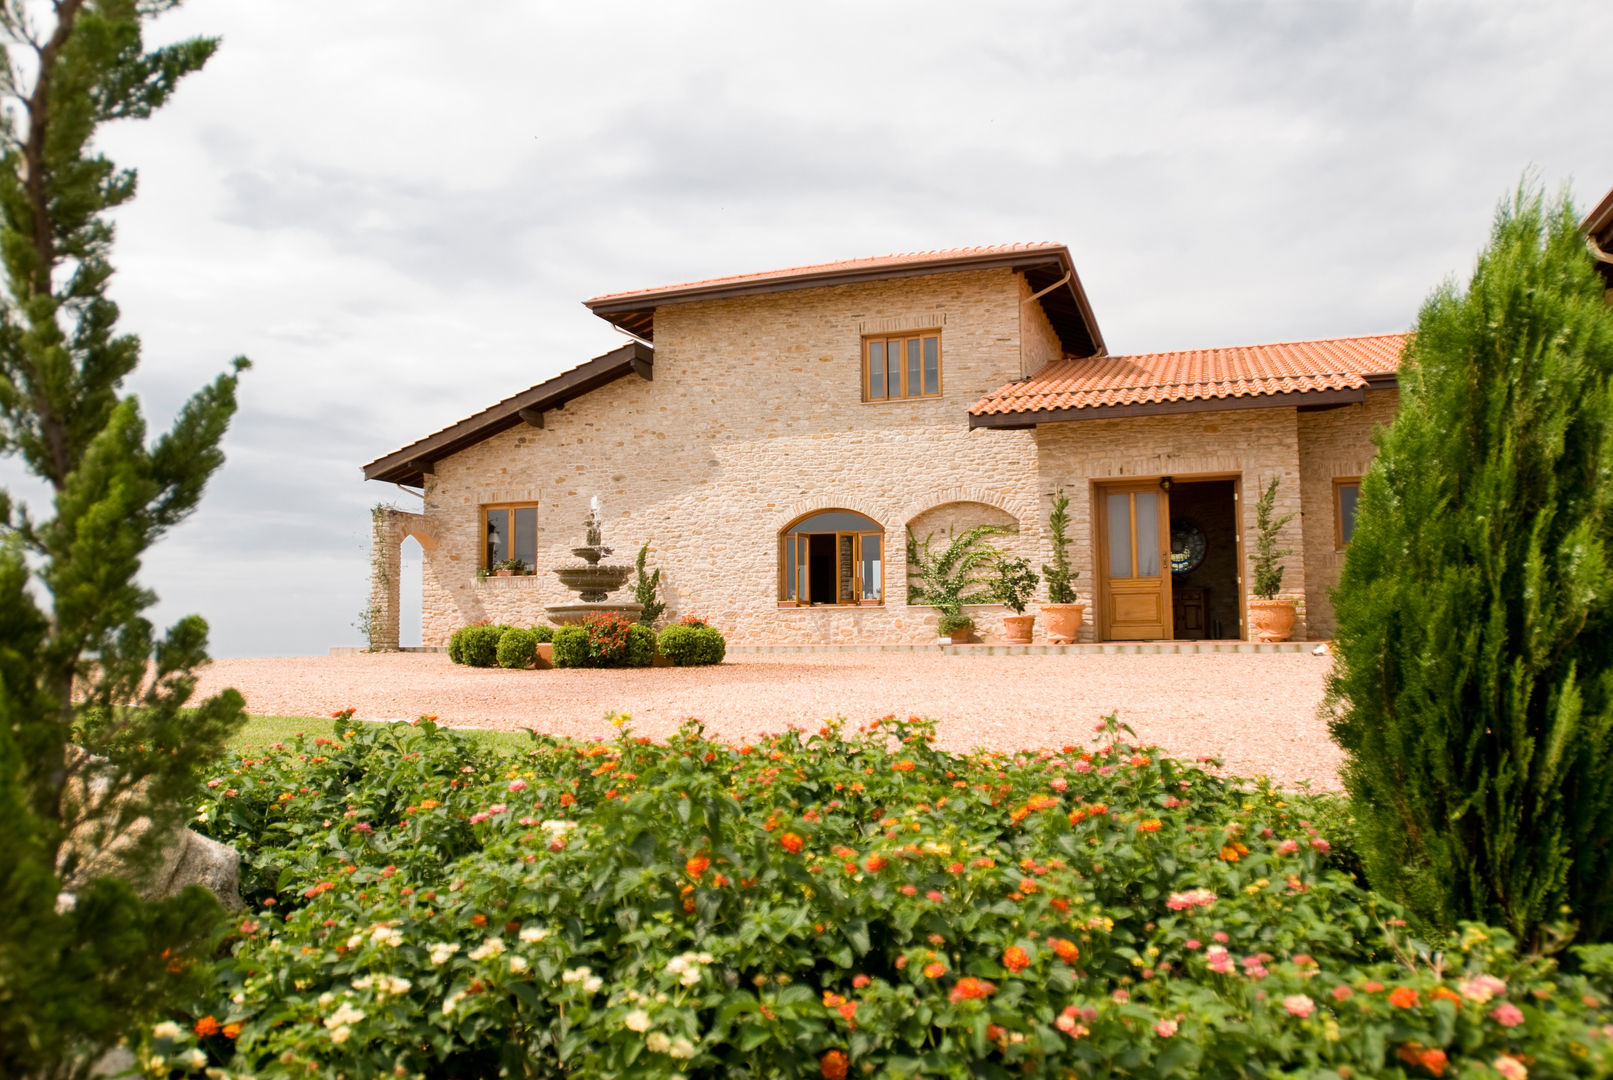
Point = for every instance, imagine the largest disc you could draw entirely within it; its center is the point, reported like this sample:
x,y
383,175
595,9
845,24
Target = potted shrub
x,y
949,580
1015,584
1061,615
509,568
955,627
1270,619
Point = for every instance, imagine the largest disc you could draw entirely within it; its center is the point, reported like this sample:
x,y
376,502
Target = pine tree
x,y
1473,691
97,730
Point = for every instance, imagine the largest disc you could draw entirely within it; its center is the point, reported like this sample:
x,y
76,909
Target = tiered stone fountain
x,y
589,579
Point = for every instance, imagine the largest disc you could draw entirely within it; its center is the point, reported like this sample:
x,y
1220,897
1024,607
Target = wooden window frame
x,y
805,578
1339,483
903,338
509,508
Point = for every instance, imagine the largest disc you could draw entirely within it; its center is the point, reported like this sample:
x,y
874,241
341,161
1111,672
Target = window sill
x,y
791,605
505,582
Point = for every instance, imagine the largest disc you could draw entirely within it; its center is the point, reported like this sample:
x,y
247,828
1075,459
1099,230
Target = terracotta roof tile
x,y
875,262
1196,374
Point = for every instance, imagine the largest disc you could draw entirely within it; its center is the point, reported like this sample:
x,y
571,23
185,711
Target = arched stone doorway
x,y
389,528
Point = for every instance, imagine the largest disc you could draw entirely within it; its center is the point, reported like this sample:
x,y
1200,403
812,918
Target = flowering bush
x,y
830,904
604,640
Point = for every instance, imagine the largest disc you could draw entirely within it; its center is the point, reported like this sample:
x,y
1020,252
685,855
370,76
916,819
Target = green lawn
x,y
262,730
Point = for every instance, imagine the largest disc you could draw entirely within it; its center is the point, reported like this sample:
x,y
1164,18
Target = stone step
x,y
1132,648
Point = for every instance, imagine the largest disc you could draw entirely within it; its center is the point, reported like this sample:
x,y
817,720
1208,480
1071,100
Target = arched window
x,y
832,557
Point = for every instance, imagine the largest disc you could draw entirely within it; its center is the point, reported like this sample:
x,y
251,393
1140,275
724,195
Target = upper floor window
x,y
906,366
1346,494
509,532
832,557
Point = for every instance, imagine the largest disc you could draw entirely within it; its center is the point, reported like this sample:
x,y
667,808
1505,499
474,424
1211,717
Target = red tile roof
x,y
874,262
1199,374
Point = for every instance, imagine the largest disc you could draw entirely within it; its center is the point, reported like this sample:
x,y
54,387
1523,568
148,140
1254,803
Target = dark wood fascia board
x,y
1308,399
533,417
406,465
1387,380
1014,260
636,314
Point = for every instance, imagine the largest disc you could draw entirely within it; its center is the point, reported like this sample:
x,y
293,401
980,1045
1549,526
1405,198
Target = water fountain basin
x,y
592,583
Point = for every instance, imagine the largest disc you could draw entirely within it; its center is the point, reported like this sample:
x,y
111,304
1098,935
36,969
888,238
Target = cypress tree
x,y
97,730
1473,688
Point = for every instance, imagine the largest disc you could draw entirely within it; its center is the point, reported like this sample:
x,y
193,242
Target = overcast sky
x,y
395,207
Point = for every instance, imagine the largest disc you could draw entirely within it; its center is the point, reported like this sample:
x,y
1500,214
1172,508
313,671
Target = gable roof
x,y
1043,264
1326,372
409,464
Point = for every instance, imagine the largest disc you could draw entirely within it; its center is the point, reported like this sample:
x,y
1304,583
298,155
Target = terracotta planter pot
x,y
960,636
1270,620
1017,628
503,573
1061,621
545,657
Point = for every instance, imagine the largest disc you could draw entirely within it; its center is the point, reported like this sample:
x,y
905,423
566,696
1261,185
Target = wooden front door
x,y
1134,562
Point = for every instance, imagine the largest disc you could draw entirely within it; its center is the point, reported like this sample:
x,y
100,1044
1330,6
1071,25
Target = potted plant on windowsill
x,y
1061,615
1015,584
509,568
1270,619
949,580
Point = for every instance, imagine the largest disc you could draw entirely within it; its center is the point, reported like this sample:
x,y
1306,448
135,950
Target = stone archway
x,y
389,527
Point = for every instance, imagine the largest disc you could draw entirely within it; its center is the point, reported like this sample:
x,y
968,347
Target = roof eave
x,y
1295,398
635,312
411,464
1598,225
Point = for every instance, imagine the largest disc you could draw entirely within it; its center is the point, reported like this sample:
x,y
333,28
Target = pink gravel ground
x,y
1258,712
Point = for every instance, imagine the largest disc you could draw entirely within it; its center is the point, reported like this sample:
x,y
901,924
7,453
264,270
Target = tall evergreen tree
x,y
1473,690
85,680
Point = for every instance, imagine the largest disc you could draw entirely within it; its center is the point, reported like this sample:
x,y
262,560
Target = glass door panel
x,y
870,568
1145,505
1120,545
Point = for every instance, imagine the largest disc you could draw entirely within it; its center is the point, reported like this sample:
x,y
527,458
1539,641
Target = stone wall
x,y
1334,443
1041,341
1250,444
754,417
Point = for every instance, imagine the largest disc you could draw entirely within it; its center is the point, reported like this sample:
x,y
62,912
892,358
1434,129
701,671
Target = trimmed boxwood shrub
x,y
688,645
571,646
604,641
456,645
543,635
640,646
479,645
517,648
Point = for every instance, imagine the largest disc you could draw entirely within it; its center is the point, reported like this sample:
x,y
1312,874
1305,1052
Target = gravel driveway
x,y
1258,712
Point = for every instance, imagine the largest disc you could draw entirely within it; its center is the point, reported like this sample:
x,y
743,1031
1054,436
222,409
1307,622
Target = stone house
x,y
777,436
